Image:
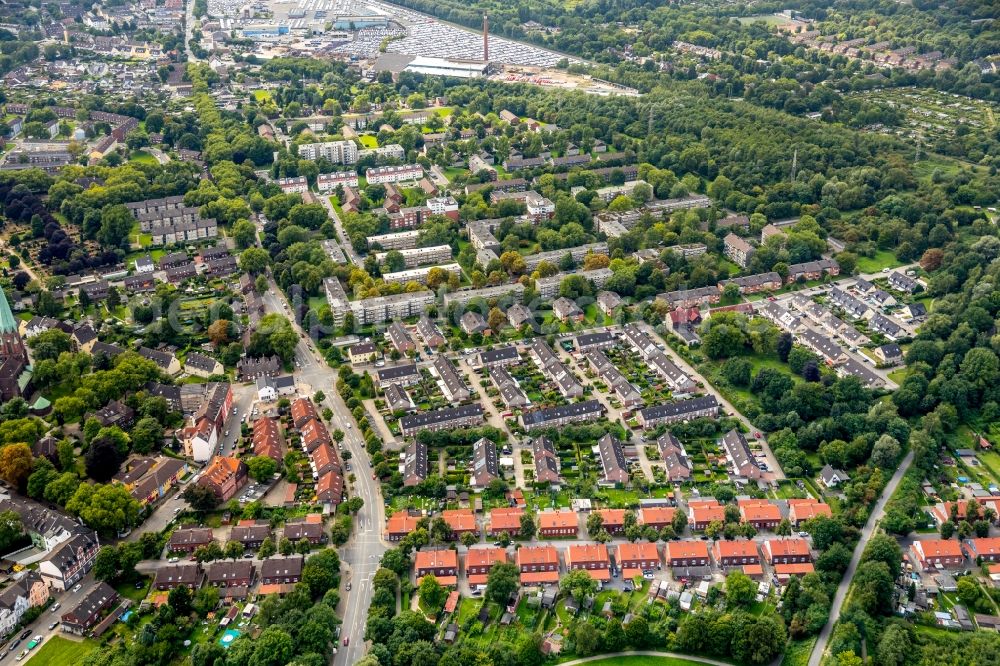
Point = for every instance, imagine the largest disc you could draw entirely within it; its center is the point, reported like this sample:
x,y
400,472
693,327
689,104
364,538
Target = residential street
x,y
360,556
345,242
866,534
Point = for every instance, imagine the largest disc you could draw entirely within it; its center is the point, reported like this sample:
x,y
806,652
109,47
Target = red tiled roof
x,y
460,520
735,549
557,519
656,514
686,549
478,557
401,523
760,513
939,548
579,553
787,547
506,519
537,555
627,552
612,516
435,559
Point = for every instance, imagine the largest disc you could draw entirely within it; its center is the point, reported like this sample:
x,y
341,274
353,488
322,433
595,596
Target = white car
x,y
78,587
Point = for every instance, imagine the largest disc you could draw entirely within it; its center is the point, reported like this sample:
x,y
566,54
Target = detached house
x,y
938,553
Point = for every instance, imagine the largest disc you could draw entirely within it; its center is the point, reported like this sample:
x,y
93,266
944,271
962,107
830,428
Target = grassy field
x,y
261,96
797,653
769,19
368,141
142,157
882,259
59,651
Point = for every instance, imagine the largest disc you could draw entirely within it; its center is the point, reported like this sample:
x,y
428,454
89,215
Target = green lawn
x,y
142,157
882,259
59,651
261,96
368,141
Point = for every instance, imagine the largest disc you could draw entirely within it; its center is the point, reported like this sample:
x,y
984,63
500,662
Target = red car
x,y
347,640
757,435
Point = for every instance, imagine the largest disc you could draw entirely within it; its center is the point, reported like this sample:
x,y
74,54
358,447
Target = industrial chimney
x,y
486,38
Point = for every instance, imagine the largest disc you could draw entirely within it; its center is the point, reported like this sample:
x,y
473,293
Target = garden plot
x,y
540,390
652,387
931,114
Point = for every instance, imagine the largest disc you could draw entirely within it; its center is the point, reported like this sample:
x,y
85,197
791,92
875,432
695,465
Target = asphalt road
x,y
360,556
345,242
66,600
866,533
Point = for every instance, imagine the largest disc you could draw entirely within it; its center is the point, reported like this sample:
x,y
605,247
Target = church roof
x,y
7,322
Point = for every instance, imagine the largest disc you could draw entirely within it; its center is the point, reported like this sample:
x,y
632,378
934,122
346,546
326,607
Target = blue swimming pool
x,y
228,637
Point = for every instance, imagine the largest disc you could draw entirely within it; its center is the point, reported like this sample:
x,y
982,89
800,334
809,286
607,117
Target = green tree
x,y
233,550
502,581
244,233
740,589
432,594
11,529
321,572
106,564
261,467
266,549
199,497
179,599
528,527
579,584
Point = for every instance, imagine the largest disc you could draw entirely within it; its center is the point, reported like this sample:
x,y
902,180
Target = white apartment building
x,y
338,152
418,256
403,240
442,205
327,182
419,274
394,174
296,185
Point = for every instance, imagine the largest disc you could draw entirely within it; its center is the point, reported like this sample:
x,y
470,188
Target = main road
x,y
866,533
361,555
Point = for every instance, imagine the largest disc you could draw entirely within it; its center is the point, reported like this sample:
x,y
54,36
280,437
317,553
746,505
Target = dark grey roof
x,y
440,416
542,416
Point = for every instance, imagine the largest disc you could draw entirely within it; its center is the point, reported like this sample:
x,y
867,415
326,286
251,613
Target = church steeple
x,y
8,324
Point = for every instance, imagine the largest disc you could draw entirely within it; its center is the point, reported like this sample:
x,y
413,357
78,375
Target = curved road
x,y
866,533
